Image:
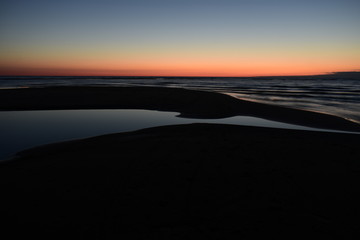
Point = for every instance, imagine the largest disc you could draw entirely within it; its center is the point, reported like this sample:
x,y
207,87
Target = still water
x,y
20,130
334,95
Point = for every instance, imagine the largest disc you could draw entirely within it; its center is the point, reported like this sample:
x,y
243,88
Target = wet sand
x,y
190,103
196,181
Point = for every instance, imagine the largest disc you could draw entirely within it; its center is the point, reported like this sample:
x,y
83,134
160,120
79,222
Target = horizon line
x,y
184,76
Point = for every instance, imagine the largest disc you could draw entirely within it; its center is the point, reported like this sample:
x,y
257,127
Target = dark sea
x,y
331,95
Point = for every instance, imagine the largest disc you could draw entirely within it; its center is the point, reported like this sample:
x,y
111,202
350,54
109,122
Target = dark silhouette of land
x,y
198,181
189,103
348,75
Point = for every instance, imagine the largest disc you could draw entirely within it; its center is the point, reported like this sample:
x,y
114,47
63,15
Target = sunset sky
x,y
179,37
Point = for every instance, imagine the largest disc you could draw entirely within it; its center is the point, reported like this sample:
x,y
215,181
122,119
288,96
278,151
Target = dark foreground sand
x,y
189,103
198,181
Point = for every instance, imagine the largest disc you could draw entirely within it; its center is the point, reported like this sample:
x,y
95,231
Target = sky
x,y
179,37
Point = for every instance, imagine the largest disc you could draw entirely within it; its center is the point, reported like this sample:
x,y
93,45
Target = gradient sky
x,y
179,37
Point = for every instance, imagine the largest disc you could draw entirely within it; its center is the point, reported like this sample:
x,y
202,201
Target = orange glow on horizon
x,y
179,39
205,65
188,60
225,71
164,73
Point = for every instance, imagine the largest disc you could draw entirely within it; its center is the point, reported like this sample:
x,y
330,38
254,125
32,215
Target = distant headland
x,y
352,75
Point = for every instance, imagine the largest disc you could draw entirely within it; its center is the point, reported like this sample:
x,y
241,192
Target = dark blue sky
x,y
197,30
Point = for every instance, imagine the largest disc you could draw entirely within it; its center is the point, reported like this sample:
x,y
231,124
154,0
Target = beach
x,y
189,103
192,181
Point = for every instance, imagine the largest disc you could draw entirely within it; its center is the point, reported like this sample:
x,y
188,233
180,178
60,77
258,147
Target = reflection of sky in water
x,y
25,129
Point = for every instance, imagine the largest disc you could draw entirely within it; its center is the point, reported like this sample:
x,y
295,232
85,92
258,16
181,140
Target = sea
x,y
330,94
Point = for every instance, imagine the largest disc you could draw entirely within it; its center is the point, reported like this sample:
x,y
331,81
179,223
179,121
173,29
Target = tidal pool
x,y
20,130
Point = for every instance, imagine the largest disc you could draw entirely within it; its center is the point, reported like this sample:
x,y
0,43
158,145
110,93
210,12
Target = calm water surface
x,y
335,95
25,129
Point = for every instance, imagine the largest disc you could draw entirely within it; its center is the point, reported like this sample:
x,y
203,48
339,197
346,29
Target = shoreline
x,y
182,181
189,103
193,181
